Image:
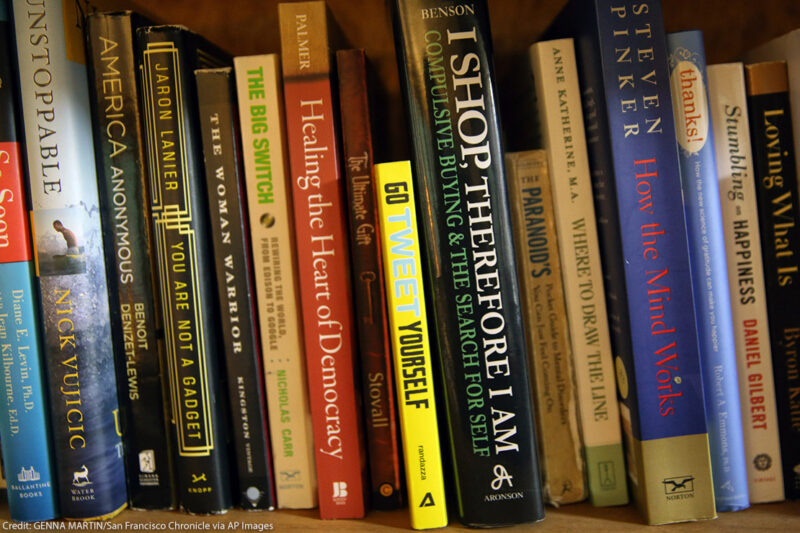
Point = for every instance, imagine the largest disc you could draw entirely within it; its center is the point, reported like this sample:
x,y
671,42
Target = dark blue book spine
x,y
622,61
24,424
709,268
69,258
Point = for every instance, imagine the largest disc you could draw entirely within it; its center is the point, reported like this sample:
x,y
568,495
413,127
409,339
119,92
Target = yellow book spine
x,y
410,345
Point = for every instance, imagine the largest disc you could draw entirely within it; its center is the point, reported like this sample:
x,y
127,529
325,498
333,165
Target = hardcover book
x,y
368,282
411,345
776,189
167,57
558,102
230,235
737,187
547,331
130,258
703,212
784,48
24,422
323,259
635,175
69,258
268,184
447,77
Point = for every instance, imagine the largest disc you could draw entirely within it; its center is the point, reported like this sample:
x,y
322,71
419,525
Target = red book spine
x,y
369,289
324,265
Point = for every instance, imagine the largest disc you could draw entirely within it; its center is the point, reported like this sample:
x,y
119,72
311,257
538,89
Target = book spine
x,y
448,80
370,296
70,267
546,334
130,261
235,285
558,100
703,214
323,259
268,187
411,342
635,175
185,268
24,422
776,190
728,101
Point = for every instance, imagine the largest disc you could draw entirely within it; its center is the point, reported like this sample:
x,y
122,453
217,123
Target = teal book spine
x,y
24,425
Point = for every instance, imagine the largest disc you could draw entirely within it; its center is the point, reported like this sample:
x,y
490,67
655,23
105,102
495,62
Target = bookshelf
x,y
250,26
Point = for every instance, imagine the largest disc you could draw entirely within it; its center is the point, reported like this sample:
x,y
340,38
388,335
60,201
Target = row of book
x,y
247,251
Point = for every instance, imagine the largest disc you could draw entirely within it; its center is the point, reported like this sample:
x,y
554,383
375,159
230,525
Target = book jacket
x,y
69,258
547,330
411,345
323,259
633,158
445,59
368,283
230,234
776,189
703,213
167,57
130,258
728,100
558,103
269,206
24,421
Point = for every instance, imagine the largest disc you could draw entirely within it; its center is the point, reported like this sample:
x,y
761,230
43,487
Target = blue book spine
x,y
622,62
24,425
709,269
68,255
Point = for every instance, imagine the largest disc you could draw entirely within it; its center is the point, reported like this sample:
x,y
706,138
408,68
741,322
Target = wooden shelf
x,y
780,517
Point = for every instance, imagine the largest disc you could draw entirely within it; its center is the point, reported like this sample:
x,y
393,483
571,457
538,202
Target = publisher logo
x,y
147,461
679,485
81,477
28,475
339,492
762,462
608,478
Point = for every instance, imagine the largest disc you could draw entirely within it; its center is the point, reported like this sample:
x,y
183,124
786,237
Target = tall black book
x,y
779,224
168,57
445,62
227,206
130,259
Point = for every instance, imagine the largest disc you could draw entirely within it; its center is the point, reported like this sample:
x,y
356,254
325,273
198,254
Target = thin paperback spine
x,y
728,100
776,189
368,281
24,422
130,259
411,345
235,286
448,81
269,203
635,175
547,331
558,100
323,259
703,213
167,57
70,266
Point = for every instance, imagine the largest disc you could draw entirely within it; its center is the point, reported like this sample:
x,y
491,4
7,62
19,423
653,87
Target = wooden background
x,y
251,27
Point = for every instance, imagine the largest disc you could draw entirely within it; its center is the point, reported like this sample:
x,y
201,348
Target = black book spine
x,y
779,224
130,261
445,62
168,56
235,285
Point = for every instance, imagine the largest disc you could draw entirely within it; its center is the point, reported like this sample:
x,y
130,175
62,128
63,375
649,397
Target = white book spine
x,y
728,102
560,113
258,86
